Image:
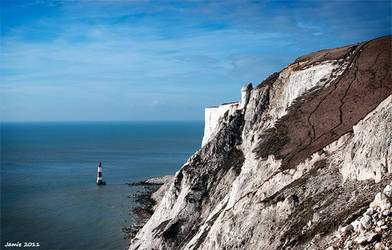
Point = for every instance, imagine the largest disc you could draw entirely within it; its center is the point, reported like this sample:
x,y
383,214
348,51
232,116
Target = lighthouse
x,y
99,175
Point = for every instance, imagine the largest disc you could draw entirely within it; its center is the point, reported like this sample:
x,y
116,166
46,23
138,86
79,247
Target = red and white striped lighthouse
x,y
99,175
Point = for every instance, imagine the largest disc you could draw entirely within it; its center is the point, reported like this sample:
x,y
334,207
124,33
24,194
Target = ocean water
x,y
48,176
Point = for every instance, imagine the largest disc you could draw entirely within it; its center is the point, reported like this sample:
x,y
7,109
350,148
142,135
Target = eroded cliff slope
x,y
303,155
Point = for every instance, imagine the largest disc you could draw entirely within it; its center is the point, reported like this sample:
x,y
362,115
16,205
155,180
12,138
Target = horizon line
x,y
88,121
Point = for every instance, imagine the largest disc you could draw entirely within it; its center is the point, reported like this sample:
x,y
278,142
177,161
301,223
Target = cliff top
x,y
223,104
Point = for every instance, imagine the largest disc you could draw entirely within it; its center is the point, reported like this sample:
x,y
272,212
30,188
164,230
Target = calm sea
x,y
48,175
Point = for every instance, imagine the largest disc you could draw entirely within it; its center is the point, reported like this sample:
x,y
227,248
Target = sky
x,y
119,60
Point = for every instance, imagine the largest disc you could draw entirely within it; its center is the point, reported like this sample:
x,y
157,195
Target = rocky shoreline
x,y
147,199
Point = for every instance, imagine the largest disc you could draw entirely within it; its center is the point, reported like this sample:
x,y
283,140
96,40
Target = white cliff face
x,y
295,83
245,94
299,156
369,154
258,181
212,117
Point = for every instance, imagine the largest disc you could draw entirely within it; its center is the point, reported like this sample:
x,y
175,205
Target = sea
x,y
49,196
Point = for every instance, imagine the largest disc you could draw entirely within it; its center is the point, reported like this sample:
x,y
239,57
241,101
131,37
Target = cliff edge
x,y
303,155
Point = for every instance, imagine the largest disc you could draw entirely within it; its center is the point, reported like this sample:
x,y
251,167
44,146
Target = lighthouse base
x,y
101,183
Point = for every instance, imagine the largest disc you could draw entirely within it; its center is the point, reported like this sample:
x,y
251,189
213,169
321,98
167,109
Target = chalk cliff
x,y
213,117
293,164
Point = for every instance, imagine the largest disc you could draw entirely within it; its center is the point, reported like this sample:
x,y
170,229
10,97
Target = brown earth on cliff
x,y
323,115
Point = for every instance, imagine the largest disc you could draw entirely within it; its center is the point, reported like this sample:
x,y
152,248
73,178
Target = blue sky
x,y
160,60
